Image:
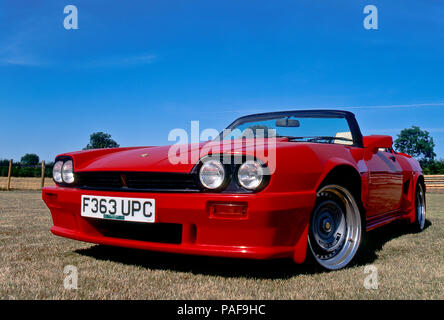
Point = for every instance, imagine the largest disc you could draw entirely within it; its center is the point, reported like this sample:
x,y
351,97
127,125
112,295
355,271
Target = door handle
x,y
393,158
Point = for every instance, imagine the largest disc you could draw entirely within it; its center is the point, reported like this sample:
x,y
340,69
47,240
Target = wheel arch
x,y
417,178
420,179
346,175
334,170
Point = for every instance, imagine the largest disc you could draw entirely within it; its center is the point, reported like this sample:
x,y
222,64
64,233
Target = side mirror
x,y
374,142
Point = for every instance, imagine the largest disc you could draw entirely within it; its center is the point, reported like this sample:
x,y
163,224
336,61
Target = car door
x,y
385,182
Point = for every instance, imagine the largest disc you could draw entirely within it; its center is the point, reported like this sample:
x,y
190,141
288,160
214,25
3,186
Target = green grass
x,y
410,265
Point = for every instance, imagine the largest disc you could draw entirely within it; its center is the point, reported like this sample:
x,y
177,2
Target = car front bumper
x,y
274,225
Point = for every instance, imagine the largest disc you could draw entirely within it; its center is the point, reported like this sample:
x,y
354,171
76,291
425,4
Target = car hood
x,y
134,159
156,159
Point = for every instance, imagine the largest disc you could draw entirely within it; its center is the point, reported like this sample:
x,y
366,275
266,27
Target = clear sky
x,y
138,69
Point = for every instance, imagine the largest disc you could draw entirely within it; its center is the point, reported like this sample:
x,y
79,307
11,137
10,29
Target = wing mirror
x,y
374,142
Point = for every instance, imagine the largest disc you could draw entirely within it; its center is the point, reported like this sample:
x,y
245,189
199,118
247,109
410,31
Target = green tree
x,y
417,143
4,167
30,159
100,140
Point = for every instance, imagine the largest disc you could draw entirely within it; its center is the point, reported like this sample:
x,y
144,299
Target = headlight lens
x,y
250,175
212,174
57,171
67,172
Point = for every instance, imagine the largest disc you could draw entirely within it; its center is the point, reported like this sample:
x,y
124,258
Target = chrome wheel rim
x,y
335,228
420,207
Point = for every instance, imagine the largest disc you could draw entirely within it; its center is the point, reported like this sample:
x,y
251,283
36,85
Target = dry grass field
x,y
32,260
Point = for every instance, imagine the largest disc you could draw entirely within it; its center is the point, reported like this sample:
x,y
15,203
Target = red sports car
x,y
272,185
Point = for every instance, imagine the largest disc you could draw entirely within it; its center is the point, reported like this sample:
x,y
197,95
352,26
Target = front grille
x,y
99,180
137,181
151,232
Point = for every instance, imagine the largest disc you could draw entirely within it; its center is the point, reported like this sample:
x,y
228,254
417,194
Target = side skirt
x,y
384,218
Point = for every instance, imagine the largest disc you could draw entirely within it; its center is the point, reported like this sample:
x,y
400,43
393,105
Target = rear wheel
x,y
420,207
335,228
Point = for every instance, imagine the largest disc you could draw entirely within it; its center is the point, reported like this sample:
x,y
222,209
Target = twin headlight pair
x,y
213,174
63,171
249,175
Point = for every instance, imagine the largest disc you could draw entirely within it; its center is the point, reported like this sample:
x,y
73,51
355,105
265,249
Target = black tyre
x,y
420,207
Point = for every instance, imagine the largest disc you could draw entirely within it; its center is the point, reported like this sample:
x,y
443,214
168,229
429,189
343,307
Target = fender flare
x,y
417,176
332,164
300,248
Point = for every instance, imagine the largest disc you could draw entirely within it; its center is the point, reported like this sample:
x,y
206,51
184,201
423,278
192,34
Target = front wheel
x,y
335,228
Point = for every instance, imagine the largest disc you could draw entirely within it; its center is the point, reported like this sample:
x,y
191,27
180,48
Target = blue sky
x,y
137,69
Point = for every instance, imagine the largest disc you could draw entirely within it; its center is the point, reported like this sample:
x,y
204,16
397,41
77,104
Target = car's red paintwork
x,y
277,218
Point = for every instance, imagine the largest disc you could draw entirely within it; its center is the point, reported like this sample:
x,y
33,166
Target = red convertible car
x,y
311,185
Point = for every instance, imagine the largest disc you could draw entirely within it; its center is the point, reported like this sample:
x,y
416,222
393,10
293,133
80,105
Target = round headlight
x,y
250,175
67,172
212,174
57,171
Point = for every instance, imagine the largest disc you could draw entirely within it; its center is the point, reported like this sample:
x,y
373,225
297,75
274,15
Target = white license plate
x,y
118,208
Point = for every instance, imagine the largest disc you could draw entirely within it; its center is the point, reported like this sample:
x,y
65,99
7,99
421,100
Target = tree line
x,y
30,165
23,168
412,141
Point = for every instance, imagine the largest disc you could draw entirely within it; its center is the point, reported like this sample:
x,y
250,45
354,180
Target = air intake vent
x,y
406,186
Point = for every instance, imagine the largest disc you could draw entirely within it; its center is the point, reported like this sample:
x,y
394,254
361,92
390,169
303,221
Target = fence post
x,y
43,175
9,175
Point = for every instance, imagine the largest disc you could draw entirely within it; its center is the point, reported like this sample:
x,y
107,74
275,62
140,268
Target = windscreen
x,y
312,129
